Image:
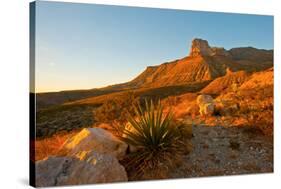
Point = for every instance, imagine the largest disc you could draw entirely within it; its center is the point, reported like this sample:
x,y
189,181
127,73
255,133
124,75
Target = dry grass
x,y
52,145
116,110
106,108
148,93
182,105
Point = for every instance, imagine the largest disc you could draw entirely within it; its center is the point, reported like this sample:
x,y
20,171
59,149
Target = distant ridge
x,y
202,64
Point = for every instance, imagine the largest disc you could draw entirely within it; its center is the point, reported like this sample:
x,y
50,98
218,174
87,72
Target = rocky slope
x,y
227,82
202,64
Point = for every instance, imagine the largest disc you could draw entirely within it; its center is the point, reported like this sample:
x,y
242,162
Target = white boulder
x,y
207,109
206,105
87,167
204,99
96,139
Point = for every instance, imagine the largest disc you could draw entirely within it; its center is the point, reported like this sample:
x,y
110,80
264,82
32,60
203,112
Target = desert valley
x,y
207,114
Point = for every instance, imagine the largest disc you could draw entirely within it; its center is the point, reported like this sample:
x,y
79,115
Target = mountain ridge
x,y
203,64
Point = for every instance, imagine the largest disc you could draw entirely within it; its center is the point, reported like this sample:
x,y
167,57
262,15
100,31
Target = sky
x,y
84,46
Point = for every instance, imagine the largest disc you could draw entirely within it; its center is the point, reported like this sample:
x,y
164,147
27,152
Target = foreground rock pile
x,y
89,157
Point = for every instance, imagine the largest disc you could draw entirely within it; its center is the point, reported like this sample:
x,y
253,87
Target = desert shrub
x,y
157,139
258,110
255,106
116,109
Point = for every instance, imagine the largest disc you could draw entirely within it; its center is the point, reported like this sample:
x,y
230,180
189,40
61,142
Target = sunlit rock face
x,y
96,139
200,47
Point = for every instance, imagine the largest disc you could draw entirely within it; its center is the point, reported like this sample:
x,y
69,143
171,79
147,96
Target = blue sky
x,y
83,46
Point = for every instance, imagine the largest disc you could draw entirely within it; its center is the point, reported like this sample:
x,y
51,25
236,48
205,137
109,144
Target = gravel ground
x,y
226,151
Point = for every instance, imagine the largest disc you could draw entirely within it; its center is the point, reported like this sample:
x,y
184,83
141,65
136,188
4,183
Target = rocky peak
x,y
200,47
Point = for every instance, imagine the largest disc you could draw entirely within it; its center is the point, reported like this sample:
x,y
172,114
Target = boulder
x,y
204,99
207,109
87,167
206,105
96,139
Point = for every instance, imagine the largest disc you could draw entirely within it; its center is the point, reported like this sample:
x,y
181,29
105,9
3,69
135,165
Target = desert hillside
x,y
203,64
206,70
230,80
209,113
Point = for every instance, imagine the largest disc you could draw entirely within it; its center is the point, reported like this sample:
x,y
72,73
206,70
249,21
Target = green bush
x,y
155,136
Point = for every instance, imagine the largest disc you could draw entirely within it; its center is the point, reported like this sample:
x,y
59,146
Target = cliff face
x,y
200,47
203,63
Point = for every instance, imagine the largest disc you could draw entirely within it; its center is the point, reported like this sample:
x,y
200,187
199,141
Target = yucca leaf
x,y
151,128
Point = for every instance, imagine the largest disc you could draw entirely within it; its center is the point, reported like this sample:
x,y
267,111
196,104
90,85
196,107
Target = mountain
x,y
204,63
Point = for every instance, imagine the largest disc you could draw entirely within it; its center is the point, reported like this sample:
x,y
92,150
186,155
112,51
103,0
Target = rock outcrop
x,y
230,81
200,47
96,139
87,167
259,80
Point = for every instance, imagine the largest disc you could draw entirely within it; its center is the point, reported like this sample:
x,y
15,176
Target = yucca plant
x,y
151,131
